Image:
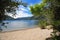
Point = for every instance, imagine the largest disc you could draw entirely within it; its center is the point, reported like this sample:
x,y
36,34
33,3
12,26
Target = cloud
x,y
23,12
20,7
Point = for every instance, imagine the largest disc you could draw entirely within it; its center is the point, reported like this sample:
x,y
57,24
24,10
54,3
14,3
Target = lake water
x,y
19,24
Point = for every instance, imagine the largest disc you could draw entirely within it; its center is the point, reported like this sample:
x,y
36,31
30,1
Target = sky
x,y
25,11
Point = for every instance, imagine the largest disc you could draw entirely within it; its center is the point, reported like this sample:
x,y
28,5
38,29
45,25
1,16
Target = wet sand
x,y
26,34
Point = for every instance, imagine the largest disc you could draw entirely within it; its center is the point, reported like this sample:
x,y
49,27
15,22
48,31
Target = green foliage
x,y
50,9
37,9
43,24
57,23
43,10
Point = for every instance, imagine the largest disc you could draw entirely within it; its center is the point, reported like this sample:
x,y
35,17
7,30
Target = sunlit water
x,y
19,24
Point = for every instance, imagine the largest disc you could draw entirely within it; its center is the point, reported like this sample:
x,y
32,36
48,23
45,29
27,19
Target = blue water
x,y
19,24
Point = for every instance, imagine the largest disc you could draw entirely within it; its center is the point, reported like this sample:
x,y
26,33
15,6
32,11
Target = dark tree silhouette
x,y
9,6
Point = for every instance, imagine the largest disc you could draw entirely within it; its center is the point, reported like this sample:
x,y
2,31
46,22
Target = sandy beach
x,y
26,34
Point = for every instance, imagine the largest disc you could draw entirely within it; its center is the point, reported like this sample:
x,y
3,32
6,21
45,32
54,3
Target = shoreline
x,y
26,34
18,30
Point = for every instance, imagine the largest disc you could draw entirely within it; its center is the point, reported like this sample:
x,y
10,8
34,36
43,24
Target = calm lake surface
x,y
19,24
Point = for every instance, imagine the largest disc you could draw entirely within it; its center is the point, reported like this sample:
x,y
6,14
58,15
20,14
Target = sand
x,y
26,34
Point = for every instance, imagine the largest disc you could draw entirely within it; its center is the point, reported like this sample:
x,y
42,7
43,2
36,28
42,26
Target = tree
x,y
9,6
42,10
51,11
